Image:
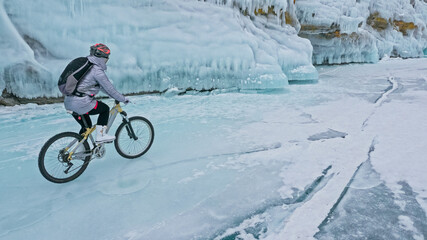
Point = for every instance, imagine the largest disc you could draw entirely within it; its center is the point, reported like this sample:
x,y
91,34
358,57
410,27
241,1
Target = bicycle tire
x,y
50,156
128,147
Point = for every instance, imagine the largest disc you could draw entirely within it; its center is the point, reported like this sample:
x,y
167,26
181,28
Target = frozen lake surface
x,y
341,158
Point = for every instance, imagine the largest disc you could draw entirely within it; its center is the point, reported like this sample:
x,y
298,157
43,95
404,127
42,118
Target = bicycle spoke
x,y
54,158
129,147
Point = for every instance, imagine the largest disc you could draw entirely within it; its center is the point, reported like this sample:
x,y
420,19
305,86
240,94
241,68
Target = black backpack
x,y
72,75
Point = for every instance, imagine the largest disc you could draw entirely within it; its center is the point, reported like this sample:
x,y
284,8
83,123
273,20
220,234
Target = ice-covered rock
x,y
155,45
201,45
363,30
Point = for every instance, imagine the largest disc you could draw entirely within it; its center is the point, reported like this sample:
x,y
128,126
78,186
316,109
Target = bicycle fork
x,y
128,125
113,113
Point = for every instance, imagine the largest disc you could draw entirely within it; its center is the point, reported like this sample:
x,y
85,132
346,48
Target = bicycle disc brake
x,y
63,156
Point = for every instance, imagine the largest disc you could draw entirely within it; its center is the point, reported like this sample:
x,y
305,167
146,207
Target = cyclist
x,y
83,101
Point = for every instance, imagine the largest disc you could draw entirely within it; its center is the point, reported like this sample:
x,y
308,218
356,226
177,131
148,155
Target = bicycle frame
x,y
113,114
88,134
66,155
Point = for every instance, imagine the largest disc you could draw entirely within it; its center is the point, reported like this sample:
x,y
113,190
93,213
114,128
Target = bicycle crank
x,y
99,151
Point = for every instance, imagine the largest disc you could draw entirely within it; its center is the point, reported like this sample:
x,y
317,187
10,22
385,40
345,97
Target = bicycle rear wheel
x,y
126,145
53,158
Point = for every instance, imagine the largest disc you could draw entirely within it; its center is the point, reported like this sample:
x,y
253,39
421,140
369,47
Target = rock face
x,y
404,27
355,30
381,24
363,30
377,22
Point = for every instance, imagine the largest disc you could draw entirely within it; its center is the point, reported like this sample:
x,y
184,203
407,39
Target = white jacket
x,y
94,81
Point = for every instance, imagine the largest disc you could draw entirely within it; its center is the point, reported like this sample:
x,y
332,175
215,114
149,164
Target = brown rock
x,y
270,11
377,22
403,27
288,19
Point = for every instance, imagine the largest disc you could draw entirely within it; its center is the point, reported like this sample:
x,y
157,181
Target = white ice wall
x,y
161,44
16,56
252,5
156,45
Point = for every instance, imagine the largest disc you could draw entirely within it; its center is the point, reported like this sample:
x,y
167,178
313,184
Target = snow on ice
x,y
227,165
340,152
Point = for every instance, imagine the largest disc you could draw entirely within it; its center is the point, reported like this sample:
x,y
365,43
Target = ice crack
x,y
393,86
344,192
261,148
254,225
381,99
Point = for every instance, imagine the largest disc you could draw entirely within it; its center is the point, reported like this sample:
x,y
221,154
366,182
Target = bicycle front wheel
x,y
130,147
54,164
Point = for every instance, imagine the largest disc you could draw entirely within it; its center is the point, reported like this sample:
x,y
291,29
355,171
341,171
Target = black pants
x,y
100,108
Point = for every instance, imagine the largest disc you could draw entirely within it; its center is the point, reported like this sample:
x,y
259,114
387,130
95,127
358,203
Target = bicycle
x,y
65,156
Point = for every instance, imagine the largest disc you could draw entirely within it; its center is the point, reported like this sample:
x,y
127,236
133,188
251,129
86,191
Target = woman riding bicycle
x,y
83,102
